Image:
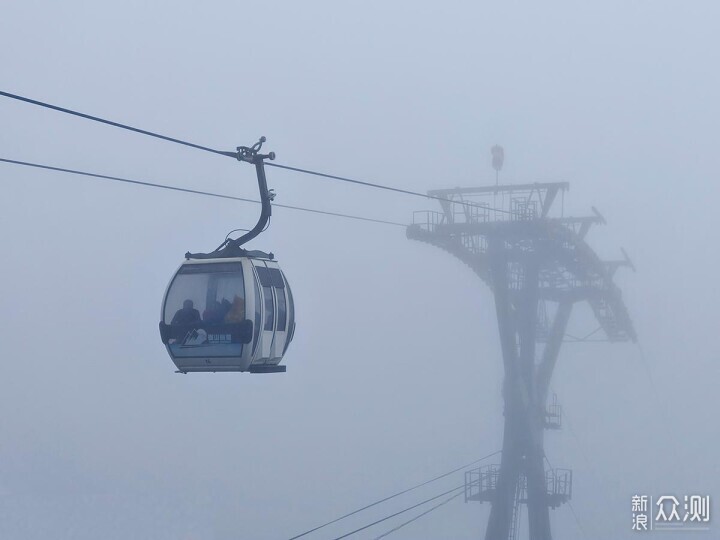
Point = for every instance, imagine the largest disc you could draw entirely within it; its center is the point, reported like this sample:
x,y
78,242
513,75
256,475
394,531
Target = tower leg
x,y
538,509
523,453
503,505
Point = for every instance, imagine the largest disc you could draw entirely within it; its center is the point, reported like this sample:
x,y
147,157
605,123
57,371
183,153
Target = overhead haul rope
x,y
426,512
400,512
109,122
195,191
396,495
234,154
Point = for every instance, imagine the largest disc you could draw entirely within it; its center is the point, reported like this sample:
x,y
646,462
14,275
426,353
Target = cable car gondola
x,y
231,309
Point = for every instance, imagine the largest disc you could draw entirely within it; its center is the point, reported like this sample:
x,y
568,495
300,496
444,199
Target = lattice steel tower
x,y
538,266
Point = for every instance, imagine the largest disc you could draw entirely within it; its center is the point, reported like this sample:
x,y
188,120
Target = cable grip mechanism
x,y
251,153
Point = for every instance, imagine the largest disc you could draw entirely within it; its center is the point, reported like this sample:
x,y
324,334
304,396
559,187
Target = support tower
x,y
538,265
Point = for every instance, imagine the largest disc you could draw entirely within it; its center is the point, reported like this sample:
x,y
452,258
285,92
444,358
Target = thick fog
x,y
395,372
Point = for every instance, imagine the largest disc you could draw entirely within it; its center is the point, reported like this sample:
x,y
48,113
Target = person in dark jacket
x,y
187,314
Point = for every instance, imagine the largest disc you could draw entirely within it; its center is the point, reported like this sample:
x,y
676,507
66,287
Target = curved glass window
x,y
258,316
269,308
204,309
291,316
282,309
213,293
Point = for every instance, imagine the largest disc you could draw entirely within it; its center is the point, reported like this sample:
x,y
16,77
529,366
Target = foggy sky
x,y
394,375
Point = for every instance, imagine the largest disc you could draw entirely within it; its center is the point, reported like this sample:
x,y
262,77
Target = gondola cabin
x,y
228,314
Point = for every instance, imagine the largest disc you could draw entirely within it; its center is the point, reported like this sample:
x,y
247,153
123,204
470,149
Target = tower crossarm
x,y
570,270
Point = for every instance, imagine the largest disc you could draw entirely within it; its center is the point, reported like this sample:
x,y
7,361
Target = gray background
x,y
394,375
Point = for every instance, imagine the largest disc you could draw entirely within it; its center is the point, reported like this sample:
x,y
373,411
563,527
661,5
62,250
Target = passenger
x,y
214,313
187,314
225,306
237,311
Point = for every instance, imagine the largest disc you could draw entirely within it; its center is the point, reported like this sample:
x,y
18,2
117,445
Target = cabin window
x,y
258,316
269,308
282,309
207,293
